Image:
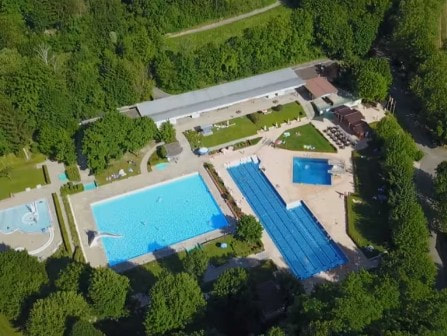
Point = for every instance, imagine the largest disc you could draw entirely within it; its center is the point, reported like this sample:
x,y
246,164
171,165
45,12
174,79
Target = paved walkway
x,y
225,21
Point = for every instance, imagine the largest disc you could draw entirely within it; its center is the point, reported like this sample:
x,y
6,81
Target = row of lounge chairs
x,y
339,137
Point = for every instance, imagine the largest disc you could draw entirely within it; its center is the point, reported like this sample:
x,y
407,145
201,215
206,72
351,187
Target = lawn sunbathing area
x,y
246,126
305,138
223,33
129,164
367,215
17,173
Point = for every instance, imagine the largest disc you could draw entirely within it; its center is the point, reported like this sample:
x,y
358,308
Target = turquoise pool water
x,y
156,217
62,177
90,186
31,217
311,171
303,242
162,166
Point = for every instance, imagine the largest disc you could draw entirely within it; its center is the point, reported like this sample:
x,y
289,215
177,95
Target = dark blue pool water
x,y
311,171
302,241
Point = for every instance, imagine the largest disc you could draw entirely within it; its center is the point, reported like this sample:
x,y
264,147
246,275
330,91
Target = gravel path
x,y
225,21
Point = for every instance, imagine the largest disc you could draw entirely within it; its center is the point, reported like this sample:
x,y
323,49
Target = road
x,y
225,21
433,155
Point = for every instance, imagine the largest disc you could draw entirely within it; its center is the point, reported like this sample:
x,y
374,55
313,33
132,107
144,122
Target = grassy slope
x,y
220,34
23,174
443,28
367,218
306,135
6,328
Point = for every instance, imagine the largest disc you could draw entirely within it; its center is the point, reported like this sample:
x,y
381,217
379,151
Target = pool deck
x,y
326,202
81,206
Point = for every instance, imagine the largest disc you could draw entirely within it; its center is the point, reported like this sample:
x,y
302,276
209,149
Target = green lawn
x,y
243,127
22,174
144,276
123,163
306,135
367,217
223,33
6,328
240,128
288,112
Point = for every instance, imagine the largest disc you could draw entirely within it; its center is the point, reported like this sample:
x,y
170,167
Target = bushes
x,y
237,212
277,108
70,188
46,174
72,172
62,225
249,229
161,152
254,117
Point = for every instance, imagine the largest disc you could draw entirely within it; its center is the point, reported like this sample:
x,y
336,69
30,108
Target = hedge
x,y
74,233
72,172
70,188
46,174
60,219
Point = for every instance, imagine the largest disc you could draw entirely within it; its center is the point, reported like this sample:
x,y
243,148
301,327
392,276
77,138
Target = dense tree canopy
x,y
372,79
21,276
107,292
441,195
83,328
196,262
175,299
249,229
112,136
73,277
50,315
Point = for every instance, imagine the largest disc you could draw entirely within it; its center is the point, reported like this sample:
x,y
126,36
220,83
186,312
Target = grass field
x,y
6,328
367,217
243,127
220,34
123,163
306,135
22,174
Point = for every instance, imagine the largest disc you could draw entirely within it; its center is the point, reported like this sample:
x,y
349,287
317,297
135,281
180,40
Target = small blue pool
x,y
162,165
156,217
90,186
311,171
31,217
303,242
63,177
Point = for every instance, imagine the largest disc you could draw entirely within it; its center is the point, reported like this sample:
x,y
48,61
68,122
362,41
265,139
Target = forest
x,y
64,61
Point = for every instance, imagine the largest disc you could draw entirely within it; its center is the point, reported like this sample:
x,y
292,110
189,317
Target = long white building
x,y
194,103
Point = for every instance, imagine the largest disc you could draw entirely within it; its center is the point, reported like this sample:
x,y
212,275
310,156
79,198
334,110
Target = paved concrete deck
x,y
38,243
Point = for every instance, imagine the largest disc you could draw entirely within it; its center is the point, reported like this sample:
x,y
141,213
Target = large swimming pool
x,y
32,217
155,217
311,171
298,235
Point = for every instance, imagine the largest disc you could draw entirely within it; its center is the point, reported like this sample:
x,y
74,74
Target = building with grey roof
x,y
192,104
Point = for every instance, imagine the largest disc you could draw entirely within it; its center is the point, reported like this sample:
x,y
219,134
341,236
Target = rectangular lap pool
x,y
155,217
298,235
32,217
311,171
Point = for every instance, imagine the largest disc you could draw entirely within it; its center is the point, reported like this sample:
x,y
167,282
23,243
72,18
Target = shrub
x,y
72,172
249,229
161,152
60,219
277,108
196,262
70,188
254,117
231,282
46,174
84,328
